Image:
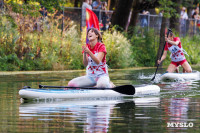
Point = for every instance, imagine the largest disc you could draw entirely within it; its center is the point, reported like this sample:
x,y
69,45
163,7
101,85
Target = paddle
x,y
169,30
124,89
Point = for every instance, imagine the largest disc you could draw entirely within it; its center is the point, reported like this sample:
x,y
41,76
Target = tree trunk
x,y
174,21
121,13
109,1
133,21
138,6
112,4
190,8
162,39
134,18
135,13
76,3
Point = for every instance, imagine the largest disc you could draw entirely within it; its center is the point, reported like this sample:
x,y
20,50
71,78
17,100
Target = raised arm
x,y
172,42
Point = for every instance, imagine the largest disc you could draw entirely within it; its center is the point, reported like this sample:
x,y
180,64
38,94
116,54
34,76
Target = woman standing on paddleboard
x,y
173,44
94,57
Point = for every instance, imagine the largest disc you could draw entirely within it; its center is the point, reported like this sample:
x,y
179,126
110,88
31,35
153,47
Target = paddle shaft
x,y
169,30
124,89
46,86
158,64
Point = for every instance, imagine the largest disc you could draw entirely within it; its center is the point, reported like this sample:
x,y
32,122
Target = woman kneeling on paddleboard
x,y
173,44
94,57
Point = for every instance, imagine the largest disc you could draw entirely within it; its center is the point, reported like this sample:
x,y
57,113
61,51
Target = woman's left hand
x,y
85,49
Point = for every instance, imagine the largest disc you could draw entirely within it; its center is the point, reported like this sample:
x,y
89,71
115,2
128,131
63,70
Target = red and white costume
x,y
97,74
93,69
177,54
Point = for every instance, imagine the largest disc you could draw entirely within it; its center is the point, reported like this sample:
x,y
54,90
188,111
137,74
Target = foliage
x,y
51,5
29,43
190,3
9,62
119,54
8,35
167,7
36,43
32,42
29,6
144,47
26,9
191,46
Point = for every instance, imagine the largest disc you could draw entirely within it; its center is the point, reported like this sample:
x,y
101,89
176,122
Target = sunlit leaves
x,y
166,6
29,5
119,54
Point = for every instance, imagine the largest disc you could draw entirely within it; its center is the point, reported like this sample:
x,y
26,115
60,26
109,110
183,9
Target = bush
x,y
39,50
119,54
8,35
144,48
191,46
9,63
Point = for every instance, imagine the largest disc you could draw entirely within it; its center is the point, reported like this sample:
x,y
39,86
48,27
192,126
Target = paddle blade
x,y
125,89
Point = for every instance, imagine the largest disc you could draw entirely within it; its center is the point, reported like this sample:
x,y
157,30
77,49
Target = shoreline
x,y
67,71
61,71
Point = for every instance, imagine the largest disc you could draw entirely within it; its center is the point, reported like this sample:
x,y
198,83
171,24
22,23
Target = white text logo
x,y
179,124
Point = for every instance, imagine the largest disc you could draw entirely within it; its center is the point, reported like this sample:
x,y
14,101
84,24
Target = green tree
x,y
26,6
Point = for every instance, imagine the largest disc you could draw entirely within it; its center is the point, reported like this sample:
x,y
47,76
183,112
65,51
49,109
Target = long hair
x,y
97,32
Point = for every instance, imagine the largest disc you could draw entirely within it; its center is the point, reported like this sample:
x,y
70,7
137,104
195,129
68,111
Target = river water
x,y
175,109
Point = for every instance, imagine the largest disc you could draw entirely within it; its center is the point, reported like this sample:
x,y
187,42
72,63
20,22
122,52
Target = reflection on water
x,y
178,102
94,115
178,109
177,115
180,89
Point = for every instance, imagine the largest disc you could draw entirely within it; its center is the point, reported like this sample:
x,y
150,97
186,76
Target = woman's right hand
x,y
159,61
